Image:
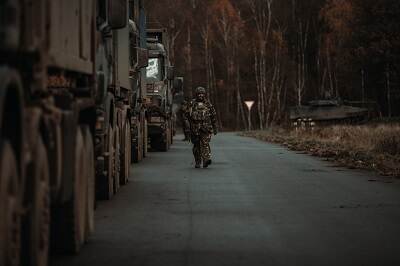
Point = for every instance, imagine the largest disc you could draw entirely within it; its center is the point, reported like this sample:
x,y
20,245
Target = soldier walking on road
x,y
202,118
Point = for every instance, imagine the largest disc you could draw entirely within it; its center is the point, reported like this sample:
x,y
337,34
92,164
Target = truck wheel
x,y
172,133
167,139
90,177
10,219
70,233
39,215
140,146
107,186
134,153
145,139
126,154
159,144
111,163
77,207
170,138
117,158
163,144
137,148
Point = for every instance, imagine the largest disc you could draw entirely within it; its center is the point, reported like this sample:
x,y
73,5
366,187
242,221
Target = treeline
x,y
284,53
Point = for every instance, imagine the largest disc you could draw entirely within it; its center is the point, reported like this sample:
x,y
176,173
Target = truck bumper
x,y
156,130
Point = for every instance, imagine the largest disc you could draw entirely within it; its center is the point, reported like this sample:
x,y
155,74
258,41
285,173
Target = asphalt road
x,y
258,204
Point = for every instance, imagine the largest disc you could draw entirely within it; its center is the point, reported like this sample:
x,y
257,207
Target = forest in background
x,y
283,53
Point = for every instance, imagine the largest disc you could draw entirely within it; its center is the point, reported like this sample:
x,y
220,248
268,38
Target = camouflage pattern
x,y
201,115
201,147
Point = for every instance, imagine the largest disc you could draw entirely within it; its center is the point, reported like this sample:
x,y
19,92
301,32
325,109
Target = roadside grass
x,y
374,147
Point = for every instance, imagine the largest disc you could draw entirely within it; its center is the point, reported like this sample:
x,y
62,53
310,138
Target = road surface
x,y
258,204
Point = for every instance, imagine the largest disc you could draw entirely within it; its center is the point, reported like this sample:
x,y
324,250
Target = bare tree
x,y
240,114
227,36
188,62
209,63
301,47
262,15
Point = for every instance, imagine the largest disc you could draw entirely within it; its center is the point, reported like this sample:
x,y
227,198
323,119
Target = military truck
x,y
66,102
138,79
159,77
121,123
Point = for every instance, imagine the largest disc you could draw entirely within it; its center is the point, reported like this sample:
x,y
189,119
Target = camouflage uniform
x,y
202,118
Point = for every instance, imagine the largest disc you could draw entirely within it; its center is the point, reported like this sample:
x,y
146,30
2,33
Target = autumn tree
x,y
338,16
227,33
285,53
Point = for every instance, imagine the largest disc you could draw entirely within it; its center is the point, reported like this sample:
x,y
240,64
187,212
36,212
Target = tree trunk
x,y
189,77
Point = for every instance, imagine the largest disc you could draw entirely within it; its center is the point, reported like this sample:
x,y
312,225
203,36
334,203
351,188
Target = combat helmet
x,y
200,90
200,94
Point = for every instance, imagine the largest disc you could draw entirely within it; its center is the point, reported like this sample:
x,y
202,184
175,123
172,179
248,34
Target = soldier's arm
x,y
186,113
213,113
185,117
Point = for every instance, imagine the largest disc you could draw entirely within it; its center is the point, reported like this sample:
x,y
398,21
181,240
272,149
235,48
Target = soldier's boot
x,y
187,136
206,163
197,160
197,165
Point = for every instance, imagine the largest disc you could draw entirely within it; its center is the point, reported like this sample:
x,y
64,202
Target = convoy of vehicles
x,y
73,115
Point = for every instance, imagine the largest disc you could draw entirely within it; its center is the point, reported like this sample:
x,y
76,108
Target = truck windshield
x,y
154,70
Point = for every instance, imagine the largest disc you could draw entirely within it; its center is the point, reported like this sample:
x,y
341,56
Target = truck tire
x,y
52,139
137,151
164,146
145,139
140,147
10,219
126,154
70,219
117,158
172,134
39,214
107,186
160,144
167,139
90,177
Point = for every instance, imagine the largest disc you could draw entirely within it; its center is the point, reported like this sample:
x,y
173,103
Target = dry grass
x,y
374,147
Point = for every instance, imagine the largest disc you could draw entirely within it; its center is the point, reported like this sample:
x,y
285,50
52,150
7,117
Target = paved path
x,y
258,204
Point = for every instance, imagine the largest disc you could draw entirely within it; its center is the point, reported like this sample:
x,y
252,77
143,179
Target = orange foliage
x,y
338,15
224,8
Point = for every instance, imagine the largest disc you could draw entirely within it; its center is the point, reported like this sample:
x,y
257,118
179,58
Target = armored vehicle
x,y
326,112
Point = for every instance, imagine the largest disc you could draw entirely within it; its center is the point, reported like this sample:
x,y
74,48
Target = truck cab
x,y
159,78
